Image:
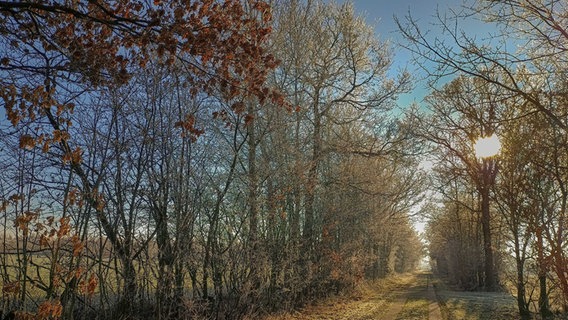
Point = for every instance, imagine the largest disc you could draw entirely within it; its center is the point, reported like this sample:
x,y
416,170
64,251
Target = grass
x,y
33,272
414,309
38,271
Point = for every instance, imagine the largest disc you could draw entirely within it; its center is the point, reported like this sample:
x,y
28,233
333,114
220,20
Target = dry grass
x,y
414,309
369,300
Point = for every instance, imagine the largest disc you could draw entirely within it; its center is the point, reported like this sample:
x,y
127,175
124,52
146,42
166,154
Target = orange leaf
x,y
27,142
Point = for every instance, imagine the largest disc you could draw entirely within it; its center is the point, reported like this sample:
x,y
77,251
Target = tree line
x,y
181,160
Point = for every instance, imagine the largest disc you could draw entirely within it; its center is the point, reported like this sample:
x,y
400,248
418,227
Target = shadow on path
x,y
417,301
463,305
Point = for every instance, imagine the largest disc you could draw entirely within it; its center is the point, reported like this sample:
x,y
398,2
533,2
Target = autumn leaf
x,y
248,119
23,220
92,284
50,309
77,246
64,227
188,128
27,142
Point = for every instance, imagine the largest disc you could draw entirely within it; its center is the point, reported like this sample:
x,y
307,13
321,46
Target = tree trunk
x,y
165,263
252,198
490,277
521,292
312,181
543,303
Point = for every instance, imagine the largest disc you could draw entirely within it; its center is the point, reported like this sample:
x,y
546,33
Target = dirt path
x,y
434,307
417,301
406,297
418,296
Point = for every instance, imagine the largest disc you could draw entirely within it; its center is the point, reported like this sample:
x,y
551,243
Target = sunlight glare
x,y
487,147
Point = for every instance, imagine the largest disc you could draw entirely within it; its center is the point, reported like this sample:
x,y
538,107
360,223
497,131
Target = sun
x,y
487,147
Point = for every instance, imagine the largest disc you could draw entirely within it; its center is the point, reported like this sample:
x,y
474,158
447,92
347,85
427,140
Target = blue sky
x,y
384,10
380,14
